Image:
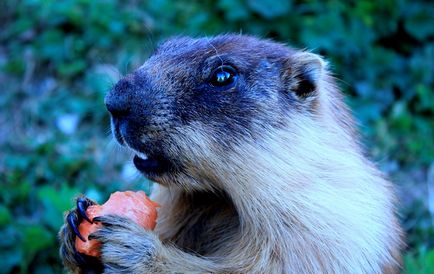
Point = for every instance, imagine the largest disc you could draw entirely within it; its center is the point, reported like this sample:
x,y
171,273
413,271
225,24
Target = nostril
x,y
118,110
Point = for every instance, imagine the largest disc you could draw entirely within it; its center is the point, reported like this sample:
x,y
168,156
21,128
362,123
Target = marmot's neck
x,y
290,170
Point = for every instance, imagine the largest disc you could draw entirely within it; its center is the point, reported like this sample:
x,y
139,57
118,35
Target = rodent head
x,y
194,98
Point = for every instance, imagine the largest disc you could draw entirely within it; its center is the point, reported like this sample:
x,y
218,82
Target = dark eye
x,y
223,77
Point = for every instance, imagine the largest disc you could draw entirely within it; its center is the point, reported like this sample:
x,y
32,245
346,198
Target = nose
x,y
118,101
117,109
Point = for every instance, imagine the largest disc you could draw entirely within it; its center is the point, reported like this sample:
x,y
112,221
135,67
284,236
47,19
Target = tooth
x,y
142,155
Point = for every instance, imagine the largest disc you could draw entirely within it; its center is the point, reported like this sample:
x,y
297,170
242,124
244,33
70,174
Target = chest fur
x,y
201,223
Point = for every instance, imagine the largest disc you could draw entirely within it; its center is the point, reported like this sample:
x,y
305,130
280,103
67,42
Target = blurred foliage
x,y
58,58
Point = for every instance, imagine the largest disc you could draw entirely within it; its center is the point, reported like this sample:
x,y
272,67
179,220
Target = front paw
x,y
126,246
74,261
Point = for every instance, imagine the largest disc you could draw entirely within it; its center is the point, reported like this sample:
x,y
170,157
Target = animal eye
x,y
223,77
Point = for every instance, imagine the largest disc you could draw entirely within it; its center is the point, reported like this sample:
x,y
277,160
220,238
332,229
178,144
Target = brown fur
x,y
269,175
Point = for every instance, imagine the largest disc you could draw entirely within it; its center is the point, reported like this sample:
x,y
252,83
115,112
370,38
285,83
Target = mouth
x,y
152,166
149,157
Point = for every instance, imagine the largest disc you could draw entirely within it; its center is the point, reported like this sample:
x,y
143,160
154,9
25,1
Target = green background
x,y
59,58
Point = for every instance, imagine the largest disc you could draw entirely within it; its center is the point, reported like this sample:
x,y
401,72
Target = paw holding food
x,y
133,205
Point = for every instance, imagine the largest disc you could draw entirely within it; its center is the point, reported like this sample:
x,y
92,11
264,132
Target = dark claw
x,y
82,205
103,220
97,219
73,223
92,236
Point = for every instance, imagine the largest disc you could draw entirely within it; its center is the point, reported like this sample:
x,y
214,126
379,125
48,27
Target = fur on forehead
x,y
181,57
249,47
247,52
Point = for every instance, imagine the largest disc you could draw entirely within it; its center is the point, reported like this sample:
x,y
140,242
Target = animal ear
x,y
303,72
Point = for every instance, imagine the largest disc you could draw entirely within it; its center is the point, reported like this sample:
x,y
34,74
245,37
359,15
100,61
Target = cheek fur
x,y
227,114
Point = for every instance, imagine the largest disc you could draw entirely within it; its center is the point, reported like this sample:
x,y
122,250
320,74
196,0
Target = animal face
x,y
197,97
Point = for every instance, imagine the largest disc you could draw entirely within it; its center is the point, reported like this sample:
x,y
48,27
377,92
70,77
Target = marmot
x,y
257,163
